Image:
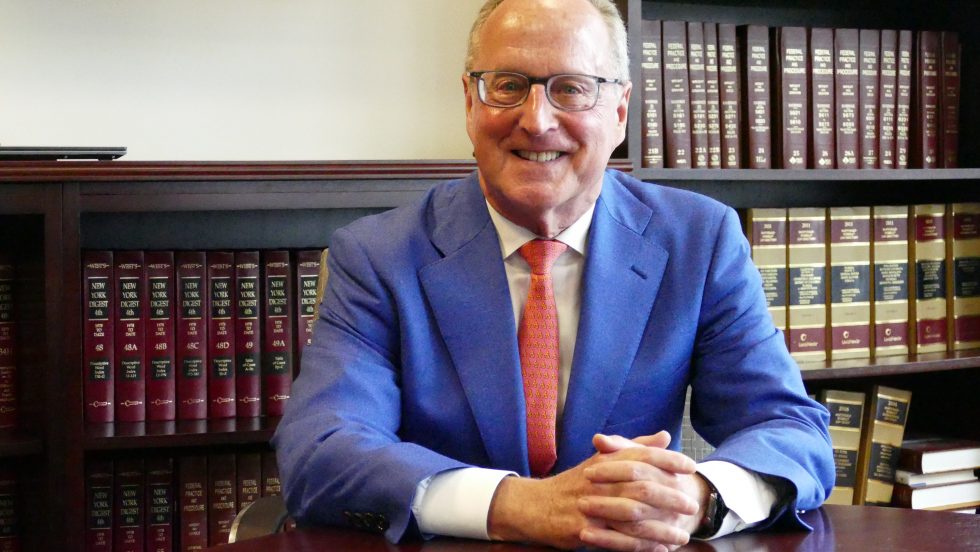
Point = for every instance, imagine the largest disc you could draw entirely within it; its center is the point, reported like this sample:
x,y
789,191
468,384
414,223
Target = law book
x,y
869,48
651,74
698,94
952,496
192,493
767,233
903,101
248,334
129,510
10,511
847,85
98,505
222,491
823,131
963,316
756,95
8,346
807,301
271,486
850,282
277,348
248,471
890,254
160,504
192,335
711,87
926,93
949,100
888,80
131,298
161,343
928,252
307,285
729,96
846,416
884,423
221,334
98,358
915,479
677,107
792,108
933,454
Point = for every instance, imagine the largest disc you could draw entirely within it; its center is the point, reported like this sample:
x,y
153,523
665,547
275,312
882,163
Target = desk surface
x,y
835,528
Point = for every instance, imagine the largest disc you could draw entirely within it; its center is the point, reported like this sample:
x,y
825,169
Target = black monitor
x,y
27,153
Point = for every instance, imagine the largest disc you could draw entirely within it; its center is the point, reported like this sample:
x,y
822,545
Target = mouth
x,y
539,156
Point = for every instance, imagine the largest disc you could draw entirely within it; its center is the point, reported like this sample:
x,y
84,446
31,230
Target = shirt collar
x,y
513,236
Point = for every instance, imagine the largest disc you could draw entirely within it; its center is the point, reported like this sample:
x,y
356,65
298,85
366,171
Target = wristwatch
x,y
714,513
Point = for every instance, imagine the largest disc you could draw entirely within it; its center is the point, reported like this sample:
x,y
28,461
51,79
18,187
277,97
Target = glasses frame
x,y
544,81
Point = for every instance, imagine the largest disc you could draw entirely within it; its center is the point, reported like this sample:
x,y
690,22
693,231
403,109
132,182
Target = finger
x,y
652,530
611,539
636,501
661,439
612,443
663,459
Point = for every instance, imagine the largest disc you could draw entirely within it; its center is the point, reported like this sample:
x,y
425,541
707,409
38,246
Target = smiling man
x,y
508,357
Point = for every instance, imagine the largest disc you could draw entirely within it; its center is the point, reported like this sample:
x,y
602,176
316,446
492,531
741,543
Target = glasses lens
x,y
504,89
573,92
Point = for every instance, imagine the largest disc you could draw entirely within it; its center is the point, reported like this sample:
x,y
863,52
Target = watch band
x,y
714,513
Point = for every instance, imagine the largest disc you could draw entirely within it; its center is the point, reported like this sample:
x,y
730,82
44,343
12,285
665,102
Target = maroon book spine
x,y
651,74
98,506
192,485
903,101
129,505
847,82
729,96
870,53
192,336
677,111
249,474
271,485
794,97
950,100
307,284
925,138
711,87
130,278
248,334
161,390
277,349
159,504
698,95
886,100
97,352
221,334
757,96
10,514
823,149
222,485
8,346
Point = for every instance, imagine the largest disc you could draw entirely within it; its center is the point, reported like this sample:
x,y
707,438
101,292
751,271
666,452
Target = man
x,y
450,362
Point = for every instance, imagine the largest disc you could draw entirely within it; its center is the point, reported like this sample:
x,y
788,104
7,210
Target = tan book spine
x,y
850,282
767,234
964,276
928,250
885,420
807,300
846,416
891,280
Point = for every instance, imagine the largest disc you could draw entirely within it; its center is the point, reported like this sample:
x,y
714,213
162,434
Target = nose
x,y
537,115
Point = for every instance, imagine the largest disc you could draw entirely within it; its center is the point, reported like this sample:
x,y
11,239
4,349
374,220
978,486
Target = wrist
x,y
713,511
505,521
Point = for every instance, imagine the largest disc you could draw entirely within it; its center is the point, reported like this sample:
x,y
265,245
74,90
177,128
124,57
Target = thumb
x,y
612,443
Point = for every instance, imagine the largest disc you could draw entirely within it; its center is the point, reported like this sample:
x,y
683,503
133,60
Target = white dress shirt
x,y
457,502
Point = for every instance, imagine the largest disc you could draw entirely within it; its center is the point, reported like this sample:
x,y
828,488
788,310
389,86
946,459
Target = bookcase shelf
x,y
892,366
14,443
184,433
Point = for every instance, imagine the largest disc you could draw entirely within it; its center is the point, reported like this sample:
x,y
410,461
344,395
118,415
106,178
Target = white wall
x,y
237,79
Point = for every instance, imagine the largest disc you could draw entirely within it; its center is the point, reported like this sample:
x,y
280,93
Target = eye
x,y
507,85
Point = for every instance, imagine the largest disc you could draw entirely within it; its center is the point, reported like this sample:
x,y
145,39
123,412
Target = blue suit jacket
x,y
414,366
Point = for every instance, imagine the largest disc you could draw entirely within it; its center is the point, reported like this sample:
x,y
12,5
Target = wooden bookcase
x,y
51,211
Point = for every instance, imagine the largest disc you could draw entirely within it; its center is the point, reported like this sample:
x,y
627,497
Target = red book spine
x,y
846,71
221,334
698,94
729,97
130,277
248,334
823,149
8,343
653,94
277,349
677,111
711,86
903,100
307,284
757,94
192,336
10,514
271,485
886,100
925,149
794,95
869,46
159,504
249,474
222,485
129,506
97,353
98,506
192,485
950,100
161,391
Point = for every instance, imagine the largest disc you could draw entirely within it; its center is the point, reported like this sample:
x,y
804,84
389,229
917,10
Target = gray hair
x,y
610,17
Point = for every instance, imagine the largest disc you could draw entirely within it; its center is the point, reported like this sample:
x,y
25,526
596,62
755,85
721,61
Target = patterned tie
x,y
537,340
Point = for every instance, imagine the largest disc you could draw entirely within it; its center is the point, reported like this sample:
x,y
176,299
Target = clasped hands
x,y
630,495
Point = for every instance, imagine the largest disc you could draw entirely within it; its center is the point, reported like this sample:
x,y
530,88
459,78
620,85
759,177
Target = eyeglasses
x,y
565,92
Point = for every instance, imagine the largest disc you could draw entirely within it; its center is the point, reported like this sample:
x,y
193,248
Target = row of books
x,y
163,504
876,464
853,282
194,334
718,95
8,345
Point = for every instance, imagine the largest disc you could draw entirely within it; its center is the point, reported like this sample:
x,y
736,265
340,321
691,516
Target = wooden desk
x,y
835,528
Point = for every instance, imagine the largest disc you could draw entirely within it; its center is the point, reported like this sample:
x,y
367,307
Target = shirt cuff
x,y
748,497
456,503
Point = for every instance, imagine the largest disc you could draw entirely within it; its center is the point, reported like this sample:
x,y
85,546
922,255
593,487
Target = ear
x,y
622,109
466,92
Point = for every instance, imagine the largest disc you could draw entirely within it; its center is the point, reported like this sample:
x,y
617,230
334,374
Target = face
x,y
542,167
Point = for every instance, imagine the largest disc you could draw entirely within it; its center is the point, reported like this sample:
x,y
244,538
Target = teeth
x,y
539,156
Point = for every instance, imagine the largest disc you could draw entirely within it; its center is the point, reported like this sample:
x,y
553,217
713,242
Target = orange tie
x,y
537,341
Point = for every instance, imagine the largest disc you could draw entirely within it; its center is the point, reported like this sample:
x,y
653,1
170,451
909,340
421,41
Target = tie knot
x,y
541,254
